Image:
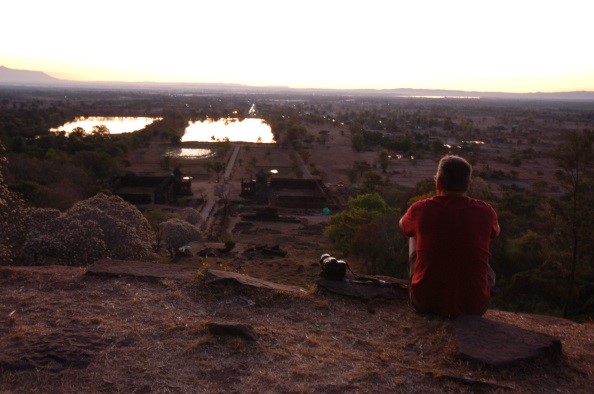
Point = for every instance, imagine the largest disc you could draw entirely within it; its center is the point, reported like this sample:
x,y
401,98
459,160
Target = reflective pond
x,y
210,130
188,153
115,124
246,130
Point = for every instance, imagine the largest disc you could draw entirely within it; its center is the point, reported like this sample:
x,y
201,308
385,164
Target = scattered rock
x,y
244,331
53,352
233,278
211,252
259,251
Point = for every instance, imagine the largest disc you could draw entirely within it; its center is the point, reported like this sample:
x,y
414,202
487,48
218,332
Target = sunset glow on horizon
x,y
506,46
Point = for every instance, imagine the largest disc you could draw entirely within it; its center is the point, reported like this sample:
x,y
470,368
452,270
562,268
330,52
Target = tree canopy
x,y
361,211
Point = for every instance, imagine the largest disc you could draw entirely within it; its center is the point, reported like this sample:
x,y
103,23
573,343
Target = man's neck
x,y
450,194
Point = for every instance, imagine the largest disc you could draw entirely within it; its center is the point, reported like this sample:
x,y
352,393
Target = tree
x,y
295,134
100,164
381,244
155,217
358,141
383,160
362,210
480,189
574,156
100,131
527,251
219,167
251,165
305,155
372,181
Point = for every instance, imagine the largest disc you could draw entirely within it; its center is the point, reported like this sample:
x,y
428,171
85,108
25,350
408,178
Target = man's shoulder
x,y
427,200
448,201
481,203
422,203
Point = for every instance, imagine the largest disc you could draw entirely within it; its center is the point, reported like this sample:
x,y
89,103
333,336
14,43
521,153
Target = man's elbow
x,y
401,225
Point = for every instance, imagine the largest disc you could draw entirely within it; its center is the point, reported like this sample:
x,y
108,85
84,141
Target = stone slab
x,y
367,287
225,277
143,269
501,344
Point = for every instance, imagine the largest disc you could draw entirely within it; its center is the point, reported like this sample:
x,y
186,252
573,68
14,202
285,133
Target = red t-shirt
x,y
453,234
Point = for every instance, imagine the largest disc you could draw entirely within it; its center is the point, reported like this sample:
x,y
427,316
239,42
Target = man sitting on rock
x,y
450,235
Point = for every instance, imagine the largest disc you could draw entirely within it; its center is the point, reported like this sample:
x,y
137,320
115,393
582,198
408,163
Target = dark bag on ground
x,y
332,268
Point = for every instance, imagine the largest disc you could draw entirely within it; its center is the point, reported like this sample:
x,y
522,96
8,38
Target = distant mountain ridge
x,y
24,78
11,76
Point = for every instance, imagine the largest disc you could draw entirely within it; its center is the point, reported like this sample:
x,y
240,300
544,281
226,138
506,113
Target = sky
x,y
471,45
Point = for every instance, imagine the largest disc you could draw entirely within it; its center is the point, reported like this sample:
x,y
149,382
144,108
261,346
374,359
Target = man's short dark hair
x,y
454,173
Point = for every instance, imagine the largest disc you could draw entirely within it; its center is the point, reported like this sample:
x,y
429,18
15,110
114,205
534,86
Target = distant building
x,y
143,189
286,192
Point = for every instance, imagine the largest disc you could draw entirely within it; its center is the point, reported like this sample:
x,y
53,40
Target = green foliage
x,y
536,290
437,147
383,160
101,164
479,189
343,226
155,217
574,156
358,141
527,251
518,211
202,271
372,182
382,246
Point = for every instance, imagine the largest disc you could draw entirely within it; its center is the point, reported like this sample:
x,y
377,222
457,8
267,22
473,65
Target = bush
x,y
362,210
126,233
177,233
63,240
11,215
99,227
191,216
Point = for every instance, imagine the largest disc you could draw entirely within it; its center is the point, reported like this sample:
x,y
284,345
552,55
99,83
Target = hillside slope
x,y
26,77
65,331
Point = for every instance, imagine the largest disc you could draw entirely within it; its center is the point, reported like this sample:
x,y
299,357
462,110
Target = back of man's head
x,y
454,173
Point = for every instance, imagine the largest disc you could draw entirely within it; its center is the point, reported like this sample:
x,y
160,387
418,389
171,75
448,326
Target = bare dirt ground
x,y
65,331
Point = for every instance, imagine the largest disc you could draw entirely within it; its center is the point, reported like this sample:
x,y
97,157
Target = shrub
x,y
126,233
177,233
191,216
99,227
63,240
11,215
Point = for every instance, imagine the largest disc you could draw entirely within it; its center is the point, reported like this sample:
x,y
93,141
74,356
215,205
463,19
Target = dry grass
x,y
150,336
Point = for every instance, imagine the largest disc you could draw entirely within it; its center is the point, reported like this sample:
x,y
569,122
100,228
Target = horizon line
x,y
238,84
